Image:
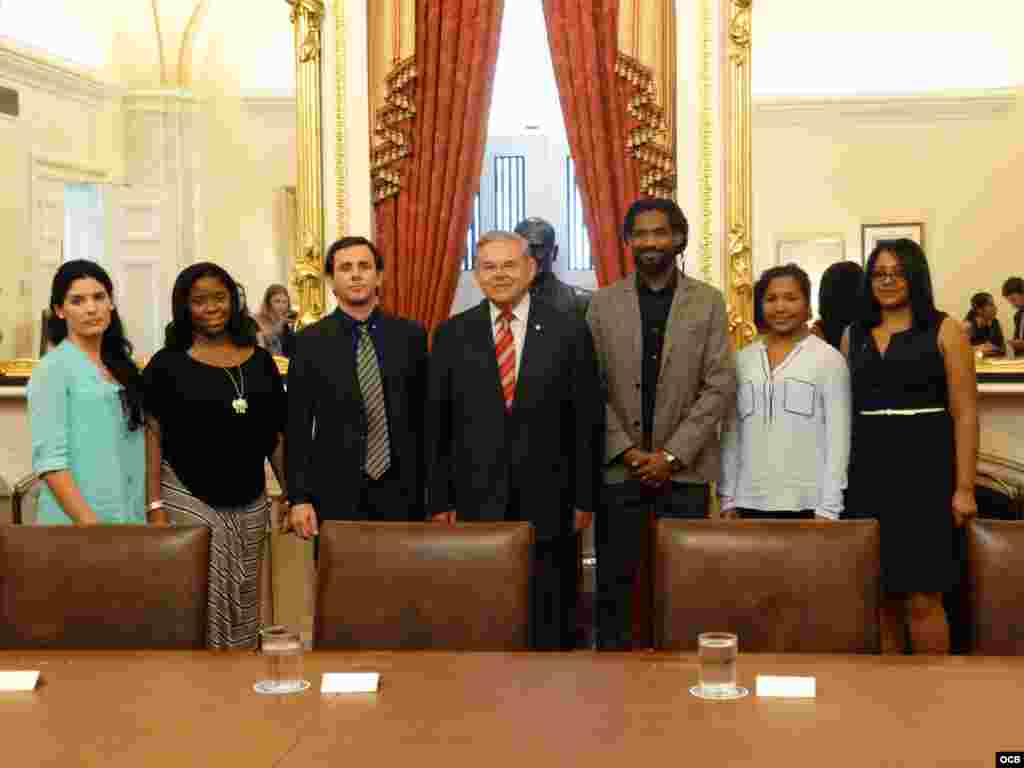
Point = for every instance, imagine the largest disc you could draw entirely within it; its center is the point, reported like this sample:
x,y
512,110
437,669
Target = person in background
x,y
356,389
915,441
85,407
546,286
216,407
983,328
668,377
1013,292
274,319
513,422
786,446
838,300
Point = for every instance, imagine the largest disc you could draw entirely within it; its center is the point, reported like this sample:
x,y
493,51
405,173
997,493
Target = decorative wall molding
x,y
61,169
893,108
32,68
269,102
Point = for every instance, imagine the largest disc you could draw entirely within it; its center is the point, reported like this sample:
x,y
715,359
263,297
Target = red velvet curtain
x,y
583,35
422,230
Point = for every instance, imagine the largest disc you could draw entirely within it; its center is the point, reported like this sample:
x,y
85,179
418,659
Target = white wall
x,y
952,161
67,117
876,46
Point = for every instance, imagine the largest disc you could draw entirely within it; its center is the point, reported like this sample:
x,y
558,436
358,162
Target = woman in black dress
x,y
915,441
216,406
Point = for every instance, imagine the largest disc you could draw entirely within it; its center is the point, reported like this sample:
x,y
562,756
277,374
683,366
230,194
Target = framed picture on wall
x,y
813,253
870,234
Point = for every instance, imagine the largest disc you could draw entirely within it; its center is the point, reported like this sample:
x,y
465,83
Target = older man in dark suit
x,y
663,348
513,416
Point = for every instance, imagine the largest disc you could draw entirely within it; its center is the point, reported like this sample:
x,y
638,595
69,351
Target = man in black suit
x,y
356,387
513,420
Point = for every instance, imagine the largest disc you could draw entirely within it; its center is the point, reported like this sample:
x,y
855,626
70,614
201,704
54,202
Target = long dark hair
x,y
839,299
115,349
241,327
919,284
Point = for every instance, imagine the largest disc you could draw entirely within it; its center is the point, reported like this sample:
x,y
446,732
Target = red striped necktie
x,y
505,349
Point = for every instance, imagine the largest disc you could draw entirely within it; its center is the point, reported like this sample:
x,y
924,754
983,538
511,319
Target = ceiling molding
x,y
35,69
890,108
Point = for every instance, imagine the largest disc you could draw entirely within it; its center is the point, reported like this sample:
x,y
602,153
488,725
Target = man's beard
x,y
655,261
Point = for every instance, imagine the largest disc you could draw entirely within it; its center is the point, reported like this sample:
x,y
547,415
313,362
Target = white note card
x,y
350,682
18,681
785,686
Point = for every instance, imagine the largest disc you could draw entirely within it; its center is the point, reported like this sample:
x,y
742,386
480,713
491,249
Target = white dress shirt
x,y
786,445
520,316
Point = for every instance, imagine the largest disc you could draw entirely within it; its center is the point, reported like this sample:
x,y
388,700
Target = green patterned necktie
x,y
378,444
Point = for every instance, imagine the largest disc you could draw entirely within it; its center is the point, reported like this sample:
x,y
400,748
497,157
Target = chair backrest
x,y
104,586
25,498
995,567
424,585
780,585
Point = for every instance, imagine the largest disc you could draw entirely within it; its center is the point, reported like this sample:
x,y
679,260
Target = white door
x,y
136,239
48,245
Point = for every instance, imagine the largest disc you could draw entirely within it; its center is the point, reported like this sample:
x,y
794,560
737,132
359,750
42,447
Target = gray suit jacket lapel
x,y
672,326
632,318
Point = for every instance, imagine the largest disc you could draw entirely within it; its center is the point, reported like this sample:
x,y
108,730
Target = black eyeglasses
x,y
882,276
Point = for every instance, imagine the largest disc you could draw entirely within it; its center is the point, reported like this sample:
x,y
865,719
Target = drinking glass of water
x,y
282,650
716,655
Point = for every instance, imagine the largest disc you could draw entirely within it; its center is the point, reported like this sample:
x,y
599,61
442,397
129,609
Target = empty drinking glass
x,y
282,649
716,655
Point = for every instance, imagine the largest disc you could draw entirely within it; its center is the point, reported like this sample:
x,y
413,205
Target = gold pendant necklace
x,y
240,404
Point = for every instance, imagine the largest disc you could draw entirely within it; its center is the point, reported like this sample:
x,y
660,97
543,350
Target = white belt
x,y
902,411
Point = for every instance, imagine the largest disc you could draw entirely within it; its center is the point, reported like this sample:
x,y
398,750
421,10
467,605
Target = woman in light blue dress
x,y
85,408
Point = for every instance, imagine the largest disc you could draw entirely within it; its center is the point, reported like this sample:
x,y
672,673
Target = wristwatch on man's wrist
x,y
673,462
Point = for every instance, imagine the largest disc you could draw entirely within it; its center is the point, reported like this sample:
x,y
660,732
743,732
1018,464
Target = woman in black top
x,y
983,329
216,405
915,441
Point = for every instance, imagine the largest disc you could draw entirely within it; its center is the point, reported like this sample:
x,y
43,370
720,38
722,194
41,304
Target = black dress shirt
x,y
1018,327
654,309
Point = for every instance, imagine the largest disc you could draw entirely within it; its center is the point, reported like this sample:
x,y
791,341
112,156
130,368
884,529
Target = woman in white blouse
x,y
787,443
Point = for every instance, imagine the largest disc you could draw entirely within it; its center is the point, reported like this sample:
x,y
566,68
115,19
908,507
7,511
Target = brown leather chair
x,y
424,585
995,567
105,586
780,585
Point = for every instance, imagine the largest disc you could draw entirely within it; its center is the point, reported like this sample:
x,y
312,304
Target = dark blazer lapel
x,y
482,338
535,352
390,351
339,348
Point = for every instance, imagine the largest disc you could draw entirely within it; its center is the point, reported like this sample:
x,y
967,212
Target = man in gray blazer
x,y
667,369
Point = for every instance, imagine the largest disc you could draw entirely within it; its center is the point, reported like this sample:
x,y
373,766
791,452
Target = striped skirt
x,y
237,538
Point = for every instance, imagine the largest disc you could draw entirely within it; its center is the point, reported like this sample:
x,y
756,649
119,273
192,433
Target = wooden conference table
x,y
154,709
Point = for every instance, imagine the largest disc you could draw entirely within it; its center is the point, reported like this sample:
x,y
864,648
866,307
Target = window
x,y
579,239
509,191
472,235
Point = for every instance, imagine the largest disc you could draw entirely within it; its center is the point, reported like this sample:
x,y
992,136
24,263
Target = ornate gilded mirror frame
x,y
737,114
308,271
